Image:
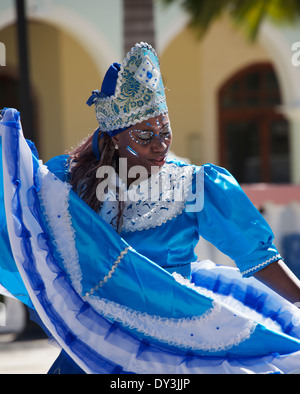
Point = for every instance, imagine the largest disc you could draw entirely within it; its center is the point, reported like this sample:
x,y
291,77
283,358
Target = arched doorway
x,y
254,137
62,77
10,97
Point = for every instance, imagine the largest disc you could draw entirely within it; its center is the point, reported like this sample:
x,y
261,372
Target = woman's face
x,y
146,144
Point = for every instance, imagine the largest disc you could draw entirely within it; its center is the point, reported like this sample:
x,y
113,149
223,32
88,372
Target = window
x,y
9,92
10,98
254,137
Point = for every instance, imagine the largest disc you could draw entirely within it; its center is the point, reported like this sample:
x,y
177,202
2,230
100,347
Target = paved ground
x,y
24,348
31,355
26,357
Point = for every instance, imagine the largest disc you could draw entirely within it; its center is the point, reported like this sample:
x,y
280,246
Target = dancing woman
x,y
100,244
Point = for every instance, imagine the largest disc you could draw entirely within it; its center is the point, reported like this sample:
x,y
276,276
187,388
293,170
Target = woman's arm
x,y
281,279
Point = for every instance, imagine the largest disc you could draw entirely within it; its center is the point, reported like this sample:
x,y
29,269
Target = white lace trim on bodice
x,y
152,202
60,222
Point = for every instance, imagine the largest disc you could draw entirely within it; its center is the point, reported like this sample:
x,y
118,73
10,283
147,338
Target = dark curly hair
x,y
83,167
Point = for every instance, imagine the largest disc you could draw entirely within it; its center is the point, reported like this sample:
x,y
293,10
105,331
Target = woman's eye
x,y
166,131
165,134
144,135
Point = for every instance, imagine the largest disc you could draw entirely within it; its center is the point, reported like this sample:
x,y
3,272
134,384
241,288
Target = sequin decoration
x,y
139,95
147,74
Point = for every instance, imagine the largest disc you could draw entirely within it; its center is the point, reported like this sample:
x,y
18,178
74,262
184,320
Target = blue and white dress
x,y
138,302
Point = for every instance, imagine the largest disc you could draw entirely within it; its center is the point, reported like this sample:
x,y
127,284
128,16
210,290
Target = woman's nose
x,y
158,143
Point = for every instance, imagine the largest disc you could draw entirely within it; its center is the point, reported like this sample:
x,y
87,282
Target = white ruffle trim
x,y
54,197
217,330
231,302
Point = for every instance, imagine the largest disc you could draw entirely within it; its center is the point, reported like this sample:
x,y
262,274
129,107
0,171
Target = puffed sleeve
x,y
58,165
231,222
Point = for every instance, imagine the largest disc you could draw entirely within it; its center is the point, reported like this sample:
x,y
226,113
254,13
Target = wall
x,y
63,76
194,72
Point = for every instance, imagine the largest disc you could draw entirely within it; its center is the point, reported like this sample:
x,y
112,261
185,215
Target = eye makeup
x,y
144,137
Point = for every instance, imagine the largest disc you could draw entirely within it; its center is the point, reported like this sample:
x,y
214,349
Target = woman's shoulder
x,y
209,171
208,168
177,170
177,162
59,166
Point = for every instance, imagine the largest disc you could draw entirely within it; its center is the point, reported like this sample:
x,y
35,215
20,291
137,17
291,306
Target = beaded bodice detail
x,y
152,202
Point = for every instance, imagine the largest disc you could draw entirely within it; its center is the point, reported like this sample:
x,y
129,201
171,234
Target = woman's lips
x,y
159,161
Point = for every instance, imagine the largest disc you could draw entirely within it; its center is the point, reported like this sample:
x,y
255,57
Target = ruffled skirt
x,y
114,311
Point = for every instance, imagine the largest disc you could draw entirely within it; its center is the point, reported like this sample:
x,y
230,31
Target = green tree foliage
x,y
247,14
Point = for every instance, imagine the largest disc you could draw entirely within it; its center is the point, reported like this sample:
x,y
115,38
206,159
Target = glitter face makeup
x,y
130,150
146,144
144,137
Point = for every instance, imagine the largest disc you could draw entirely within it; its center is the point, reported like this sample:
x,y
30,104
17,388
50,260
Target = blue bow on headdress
x,y
107,89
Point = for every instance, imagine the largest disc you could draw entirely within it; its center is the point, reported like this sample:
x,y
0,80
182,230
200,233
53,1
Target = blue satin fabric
x,y
137,284
137,281
9,274
231,222
141,283
10,277
228,220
